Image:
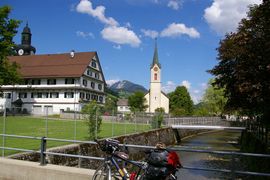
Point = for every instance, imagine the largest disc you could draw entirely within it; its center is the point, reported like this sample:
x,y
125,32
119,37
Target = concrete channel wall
x,y
11,169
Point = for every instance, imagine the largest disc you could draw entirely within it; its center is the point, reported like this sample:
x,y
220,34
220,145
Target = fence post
x,y
42,151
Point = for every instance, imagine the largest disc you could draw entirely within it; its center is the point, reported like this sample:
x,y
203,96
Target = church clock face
x,y
20,52
155,69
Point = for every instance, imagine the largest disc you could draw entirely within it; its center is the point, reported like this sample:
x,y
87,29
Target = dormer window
x,y
89,72
94,64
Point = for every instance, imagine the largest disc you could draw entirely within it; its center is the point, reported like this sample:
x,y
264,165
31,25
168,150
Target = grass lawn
x,y
61,129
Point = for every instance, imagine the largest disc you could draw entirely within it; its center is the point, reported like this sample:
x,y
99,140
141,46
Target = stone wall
x,y
150,138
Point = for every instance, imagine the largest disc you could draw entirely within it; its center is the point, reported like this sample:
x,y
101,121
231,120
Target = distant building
x,y
54,82
122,106
155,97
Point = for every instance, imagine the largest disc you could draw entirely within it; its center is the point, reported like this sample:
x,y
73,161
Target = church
x,y
155,98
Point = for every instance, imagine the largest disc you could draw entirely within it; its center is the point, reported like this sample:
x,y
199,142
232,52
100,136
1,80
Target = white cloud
x,y
117,47
186,83
120,35
150,33
85,34
169,87
174,30
128,25
174,4
85,6
223,16
111,81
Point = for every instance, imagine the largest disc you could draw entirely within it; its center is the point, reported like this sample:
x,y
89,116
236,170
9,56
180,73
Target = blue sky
x,y
123,32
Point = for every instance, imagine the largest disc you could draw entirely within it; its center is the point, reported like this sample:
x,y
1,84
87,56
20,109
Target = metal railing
x,y
43,153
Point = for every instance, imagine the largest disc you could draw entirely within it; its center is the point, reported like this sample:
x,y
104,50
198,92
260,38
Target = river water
x,y
217,140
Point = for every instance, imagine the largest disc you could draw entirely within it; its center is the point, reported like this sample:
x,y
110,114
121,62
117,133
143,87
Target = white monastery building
x,y
53,82
155,98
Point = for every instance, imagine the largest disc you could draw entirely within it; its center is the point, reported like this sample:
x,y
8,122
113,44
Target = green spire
x,y
155,58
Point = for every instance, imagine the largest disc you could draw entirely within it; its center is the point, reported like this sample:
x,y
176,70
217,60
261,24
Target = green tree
x,y
92,117
110,105
214,99
244,67
8,71
137,102
158,118
180,102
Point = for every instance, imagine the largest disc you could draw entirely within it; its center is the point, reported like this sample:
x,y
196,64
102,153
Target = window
x,y
69,81
35,81
94,97
5,95
39,95
94,64
89,72
45,95
23,95
93,85
54,95
155,76
85,82
36,95
87,96
97,75
51,81
69,94
99,86
26,82
100,98
82,95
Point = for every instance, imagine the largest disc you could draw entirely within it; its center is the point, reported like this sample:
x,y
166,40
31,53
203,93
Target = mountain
x,y
126,87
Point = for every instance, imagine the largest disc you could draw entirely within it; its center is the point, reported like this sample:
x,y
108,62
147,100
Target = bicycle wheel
x,y
101,173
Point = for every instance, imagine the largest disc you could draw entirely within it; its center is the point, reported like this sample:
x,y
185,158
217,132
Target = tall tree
x,y
214,99
8,71
180,102
137,102
244,65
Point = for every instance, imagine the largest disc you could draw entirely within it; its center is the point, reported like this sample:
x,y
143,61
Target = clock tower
x,y
25,48
155,97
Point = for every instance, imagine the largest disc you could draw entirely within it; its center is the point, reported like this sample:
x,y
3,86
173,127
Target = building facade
x,y
155,98
54,82
122,106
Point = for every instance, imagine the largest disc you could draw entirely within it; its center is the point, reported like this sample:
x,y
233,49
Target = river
x,y
217,140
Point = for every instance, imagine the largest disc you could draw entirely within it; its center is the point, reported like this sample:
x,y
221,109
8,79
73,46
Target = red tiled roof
x,y
53,65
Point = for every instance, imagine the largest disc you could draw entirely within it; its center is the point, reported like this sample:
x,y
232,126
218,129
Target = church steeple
x,y
155,58
26,35
25,48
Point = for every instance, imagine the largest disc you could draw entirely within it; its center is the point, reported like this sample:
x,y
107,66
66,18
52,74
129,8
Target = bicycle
x,y
152,169
110,169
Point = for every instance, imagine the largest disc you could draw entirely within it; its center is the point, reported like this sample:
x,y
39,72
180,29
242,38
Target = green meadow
x,y
55,128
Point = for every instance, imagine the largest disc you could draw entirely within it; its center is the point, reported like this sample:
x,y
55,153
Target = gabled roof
x,y
122,102
53,65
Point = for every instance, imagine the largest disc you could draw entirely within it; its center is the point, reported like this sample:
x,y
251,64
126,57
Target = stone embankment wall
x,y
150,138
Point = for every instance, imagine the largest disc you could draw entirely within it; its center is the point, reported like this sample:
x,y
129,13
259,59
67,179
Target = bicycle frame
x,y
112,161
